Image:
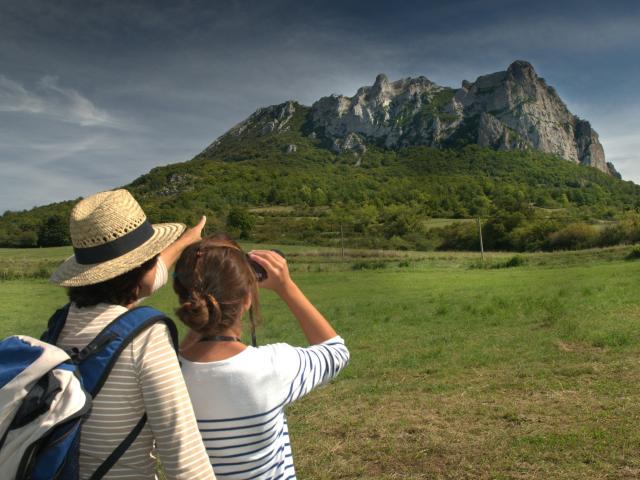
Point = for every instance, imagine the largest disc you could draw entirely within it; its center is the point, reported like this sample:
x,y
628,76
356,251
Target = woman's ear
x,y
136,296
247,303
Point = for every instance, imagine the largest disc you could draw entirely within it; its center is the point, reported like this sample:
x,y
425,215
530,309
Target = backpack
x,y
46,394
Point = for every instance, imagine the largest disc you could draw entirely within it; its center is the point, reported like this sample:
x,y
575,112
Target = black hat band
x,y
115,248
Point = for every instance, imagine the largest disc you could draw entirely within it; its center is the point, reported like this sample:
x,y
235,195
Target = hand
x,y
278,278
194,234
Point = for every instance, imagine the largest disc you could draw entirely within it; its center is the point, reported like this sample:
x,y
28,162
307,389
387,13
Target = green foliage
x,y
54,232
523,196
240,220
459,236
369,265
399,220
533,235
515,261
574,236
634,254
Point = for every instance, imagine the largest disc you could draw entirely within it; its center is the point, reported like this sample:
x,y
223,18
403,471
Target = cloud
x,y
48,166
50,100
15,98
622,149
182,73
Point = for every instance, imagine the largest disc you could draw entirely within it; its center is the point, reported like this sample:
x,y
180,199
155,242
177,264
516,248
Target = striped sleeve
x,y
304,368
169,411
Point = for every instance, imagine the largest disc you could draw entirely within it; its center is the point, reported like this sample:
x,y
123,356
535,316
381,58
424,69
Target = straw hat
x,y
111,236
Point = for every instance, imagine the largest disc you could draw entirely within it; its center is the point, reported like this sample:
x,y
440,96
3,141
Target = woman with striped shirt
x,y
119,257
239,392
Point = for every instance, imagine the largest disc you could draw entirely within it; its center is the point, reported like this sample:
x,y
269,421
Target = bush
x,y
573,237
634,254
515,261
368,265
533,235
241,221
460,236
54,232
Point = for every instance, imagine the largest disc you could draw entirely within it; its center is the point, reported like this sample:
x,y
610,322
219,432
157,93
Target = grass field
x,y
457,372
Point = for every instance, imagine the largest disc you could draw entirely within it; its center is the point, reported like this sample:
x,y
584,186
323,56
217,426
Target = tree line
x,y
527,200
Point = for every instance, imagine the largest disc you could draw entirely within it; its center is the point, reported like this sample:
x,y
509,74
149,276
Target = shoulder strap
x,y
55,325
119,451
98,358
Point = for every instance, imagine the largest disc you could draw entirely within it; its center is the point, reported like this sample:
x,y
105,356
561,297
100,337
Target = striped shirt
x,y
146,377
239,403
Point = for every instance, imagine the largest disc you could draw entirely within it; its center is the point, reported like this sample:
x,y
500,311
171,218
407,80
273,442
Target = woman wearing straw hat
x,y
119,258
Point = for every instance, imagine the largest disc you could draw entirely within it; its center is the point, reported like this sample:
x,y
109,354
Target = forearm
x,y
316,328
171,254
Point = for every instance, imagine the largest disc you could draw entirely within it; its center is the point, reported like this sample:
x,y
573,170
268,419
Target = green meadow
x,y
458,370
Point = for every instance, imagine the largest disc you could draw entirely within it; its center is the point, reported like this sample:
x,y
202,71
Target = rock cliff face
x,y
513,109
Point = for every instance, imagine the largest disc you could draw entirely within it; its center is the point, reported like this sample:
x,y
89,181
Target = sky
x,y
95,93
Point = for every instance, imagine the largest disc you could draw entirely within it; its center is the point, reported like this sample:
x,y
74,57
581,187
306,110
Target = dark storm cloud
x,y
93,94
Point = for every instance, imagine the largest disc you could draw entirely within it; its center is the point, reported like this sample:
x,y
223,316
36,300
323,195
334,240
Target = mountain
x,y
510,110
382,165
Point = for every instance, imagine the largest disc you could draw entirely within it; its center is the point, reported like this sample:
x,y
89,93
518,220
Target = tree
x,y
27,239
239,219
54,232
398,220
574,236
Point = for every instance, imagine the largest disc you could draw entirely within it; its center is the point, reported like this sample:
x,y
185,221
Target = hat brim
x,y
73,274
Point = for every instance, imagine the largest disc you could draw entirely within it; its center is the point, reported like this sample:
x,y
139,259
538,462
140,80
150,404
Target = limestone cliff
x,y
513,109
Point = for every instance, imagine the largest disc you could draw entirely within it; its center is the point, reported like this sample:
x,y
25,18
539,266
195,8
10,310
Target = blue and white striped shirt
x,y
239,404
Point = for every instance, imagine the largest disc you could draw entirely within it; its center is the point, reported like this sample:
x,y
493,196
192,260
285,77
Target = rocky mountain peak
x,y
381,82
505,110
522,69
272,119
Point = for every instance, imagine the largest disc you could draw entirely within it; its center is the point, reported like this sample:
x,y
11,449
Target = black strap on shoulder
x,y
55,325
144,317
103,351
119,451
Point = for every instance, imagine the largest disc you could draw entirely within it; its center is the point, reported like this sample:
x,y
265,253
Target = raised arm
x,y
157,277
171,254
315,327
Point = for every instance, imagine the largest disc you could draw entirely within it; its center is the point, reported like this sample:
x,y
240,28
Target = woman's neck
x,y
215,350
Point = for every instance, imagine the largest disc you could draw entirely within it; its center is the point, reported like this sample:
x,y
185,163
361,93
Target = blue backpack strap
x,y
98,358
55,325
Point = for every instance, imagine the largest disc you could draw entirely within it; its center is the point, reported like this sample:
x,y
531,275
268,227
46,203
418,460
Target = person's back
x,y
118,259
146,379
239,392
239,403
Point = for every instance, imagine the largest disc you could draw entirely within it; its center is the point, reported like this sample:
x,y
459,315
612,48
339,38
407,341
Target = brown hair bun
x,y
194,313
214,281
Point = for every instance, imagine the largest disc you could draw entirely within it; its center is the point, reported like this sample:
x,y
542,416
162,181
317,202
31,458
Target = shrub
x,y
239,219
515,261
533,235
574,236
634,254
459,236
54,232
368,265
